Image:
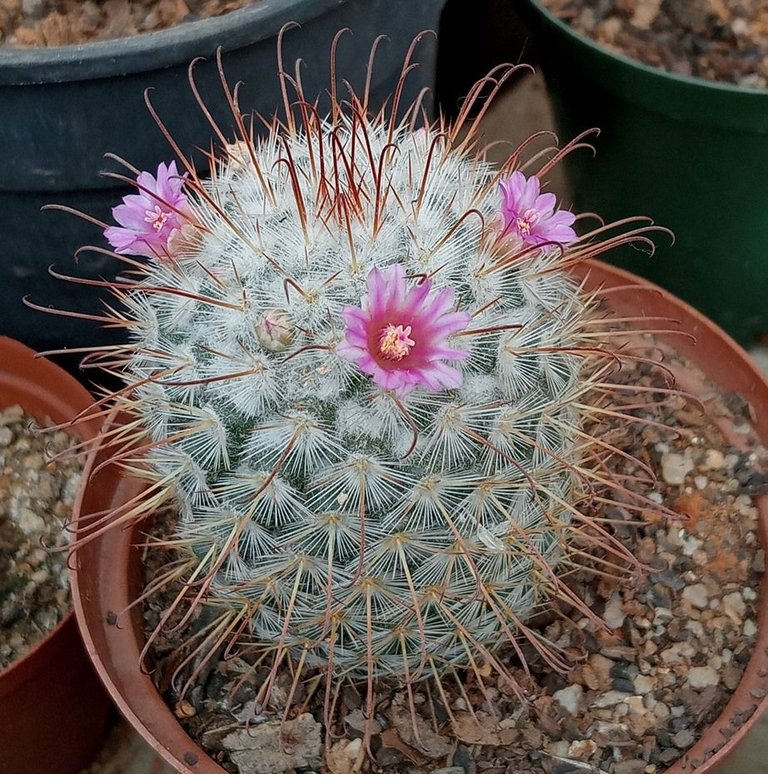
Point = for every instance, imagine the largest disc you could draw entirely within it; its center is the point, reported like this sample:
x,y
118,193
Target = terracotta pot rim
x,y
695,759
46,392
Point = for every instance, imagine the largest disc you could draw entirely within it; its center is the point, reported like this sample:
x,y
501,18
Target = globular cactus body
x,y
357,356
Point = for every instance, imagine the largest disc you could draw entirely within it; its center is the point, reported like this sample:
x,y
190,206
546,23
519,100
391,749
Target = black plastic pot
x,y
692,154
62,108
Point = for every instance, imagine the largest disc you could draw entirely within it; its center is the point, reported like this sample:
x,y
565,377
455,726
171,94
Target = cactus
x,y
363,371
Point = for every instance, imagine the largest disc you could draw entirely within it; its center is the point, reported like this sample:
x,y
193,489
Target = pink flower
x,y
532,215
151,220
398,334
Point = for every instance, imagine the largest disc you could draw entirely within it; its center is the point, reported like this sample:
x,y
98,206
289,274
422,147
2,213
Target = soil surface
x,y
641,690
36,497
719,40
40,23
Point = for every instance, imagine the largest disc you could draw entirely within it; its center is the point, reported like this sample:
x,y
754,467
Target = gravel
x,y
36,497
41,23
718,40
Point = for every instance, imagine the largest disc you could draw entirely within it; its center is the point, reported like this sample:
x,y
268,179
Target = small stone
x,y
39,576
569,698
734,606
184,710
674,468
635,705
629,767
714,459
644,684
609,699
30,523
261,749
691,545
601,668
6,436
582,749
558,749
614,614
702,677
662,615
344,755
33,9
750,629
683,739
697,595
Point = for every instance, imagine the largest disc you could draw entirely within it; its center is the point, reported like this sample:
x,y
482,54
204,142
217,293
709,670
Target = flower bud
x,y
274,330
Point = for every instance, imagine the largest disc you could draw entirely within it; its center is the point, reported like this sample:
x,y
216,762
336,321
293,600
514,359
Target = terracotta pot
x,y
108,572
53,710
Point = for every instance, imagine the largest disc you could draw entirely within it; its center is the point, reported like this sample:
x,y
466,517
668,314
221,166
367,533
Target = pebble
x,y
582,749
683,739
734,606
644,684
609,699
614,614
260,749
697,595
569,698
714,459
30,523
675,467
702,677
35,501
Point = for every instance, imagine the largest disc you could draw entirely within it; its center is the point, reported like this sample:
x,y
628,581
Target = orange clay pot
x,y
108,572
53,709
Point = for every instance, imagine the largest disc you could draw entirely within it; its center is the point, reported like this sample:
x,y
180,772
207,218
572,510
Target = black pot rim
x,y
155,50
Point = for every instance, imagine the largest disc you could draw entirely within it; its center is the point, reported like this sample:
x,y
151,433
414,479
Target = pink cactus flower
x,y
151,220
398,334
531,215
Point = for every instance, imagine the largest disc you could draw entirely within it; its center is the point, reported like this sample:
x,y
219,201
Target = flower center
x,y
527,221
395,342
156,217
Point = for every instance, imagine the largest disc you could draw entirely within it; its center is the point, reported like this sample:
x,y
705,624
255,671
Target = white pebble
x,y
614,614
609,699
30,523
702,677
674,468
713,460
696,595
734,606
569,698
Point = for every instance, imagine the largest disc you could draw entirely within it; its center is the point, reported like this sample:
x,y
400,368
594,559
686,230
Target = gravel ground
x,y
40,23
713,39
36,498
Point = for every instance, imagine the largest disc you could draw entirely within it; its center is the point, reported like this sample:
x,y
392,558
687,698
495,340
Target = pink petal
x,y
545,204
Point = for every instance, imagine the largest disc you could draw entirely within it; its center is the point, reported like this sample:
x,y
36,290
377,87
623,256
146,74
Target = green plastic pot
x,y
689,153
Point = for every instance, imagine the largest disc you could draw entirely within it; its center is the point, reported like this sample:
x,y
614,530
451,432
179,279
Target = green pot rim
x,y
686,98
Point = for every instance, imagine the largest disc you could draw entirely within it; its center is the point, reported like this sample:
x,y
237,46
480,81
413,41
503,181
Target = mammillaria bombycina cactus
x,y
363,372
